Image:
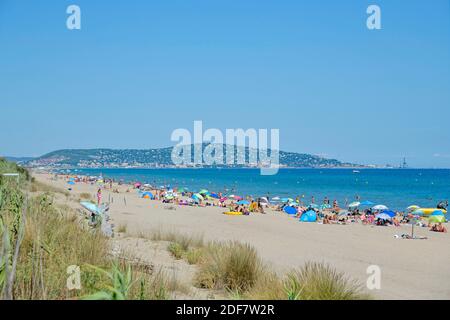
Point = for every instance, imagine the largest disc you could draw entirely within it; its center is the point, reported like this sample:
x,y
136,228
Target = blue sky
x,y
137,70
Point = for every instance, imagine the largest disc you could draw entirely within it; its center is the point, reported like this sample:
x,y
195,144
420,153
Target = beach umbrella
x,y
437,213
203,191
237,198
169,197
354,204
314,206
436,219
263,200
325,206
343,213
380,207
214,195
389,213
183,189
367,203
412,208
197,196
244,202
223,199
276,198
418,212
383,216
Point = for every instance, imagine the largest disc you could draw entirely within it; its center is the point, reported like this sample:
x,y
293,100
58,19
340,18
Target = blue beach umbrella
x,y
214,195
243,202
367,203
389,213
437,213
383,216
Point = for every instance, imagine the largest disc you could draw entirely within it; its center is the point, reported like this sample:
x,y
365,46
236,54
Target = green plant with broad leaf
x,y
120,284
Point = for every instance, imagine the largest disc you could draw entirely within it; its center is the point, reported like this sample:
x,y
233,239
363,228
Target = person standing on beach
x,y
99,196
312,199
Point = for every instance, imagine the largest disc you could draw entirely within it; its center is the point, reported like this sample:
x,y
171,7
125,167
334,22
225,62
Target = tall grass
x,y
54,238
312,281
231,266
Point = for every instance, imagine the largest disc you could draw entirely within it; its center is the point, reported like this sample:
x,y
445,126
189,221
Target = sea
x,y
395,188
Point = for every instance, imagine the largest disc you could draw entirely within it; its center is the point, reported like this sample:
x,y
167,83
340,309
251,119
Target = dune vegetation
x,y
41,240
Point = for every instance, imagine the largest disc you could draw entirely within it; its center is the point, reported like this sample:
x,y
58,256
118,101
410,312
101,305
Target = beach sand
x,y
410,269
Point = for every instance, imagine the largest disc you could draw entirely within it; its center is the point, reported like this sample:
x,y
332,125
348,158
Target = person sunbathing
x,y
438,228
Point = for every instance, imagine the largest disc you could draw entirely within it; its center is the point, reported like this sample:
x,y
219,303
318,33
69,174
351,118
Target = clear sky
x,y
137,70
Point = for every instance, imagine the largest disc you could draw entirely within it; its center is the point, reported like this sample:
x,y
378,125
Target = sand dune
x,y
411,269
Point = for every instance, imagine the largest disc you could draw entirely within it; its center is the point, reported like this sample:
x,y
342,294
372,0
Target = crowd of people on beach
x,y
328,212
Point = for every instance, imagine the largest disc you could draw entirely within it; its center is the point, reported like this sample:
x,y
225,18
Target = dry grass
x,y
85,196
37,186
55,238
318,281
122,228
176,250
194,255
231,266
184,240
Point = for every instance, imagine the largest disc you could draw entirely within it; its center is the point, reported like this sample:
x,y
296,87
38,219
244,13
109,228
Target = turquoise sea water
x,y
396,188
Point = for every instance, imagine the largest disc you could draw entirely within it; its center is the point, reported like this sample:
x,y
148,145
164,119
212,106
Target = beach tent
x,y
308,216
380,207
290,210
147,195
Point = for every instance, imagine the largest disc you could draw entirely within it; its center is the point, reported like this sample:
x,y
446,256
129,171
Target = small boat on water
x,y
356,171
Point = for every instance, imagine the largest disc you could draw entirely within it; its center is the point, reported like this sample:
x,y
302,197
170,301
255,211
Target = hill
x,y
161,157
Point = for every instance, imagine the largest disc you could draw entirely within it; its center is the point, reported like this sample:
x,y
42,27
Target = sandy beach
x,y
410,269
